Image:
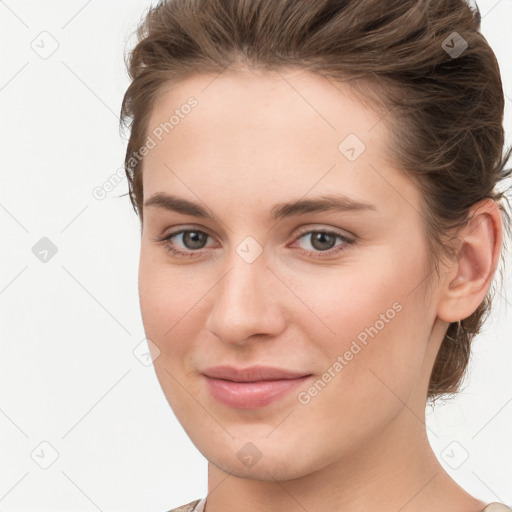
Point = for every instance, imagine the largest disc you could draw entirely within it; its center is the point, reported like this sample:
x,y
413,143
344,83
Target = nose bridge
x,y
242,299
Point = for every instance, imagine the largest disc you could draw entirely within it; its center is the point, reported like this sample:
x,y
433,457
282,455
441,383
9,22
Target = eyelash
x,y
166,241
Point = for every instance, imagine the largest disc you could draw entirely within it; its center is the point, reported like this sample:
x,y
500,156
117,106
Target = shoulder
x,y
191,507
497,507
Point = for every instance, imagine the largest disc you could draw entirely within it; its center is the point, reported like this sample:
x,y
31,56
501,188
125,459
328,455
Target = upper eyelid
x,y
301,231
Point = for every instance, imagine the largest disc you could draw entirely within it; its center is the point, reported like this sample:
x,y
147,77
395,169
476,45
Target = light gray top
x,y
198,506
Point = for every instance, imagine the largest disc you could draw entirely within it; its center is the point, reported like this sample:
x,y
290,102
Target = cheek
x,y
371,366
161,298
173,300
154,300
373,320
167,311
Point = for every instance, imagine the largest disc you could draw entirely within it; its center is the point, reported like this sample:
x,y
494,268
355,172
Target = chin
x,y
270,468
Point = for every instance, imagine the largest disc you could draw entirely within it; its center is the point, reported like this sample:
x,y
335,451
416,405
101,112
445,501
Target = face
x,y
335,293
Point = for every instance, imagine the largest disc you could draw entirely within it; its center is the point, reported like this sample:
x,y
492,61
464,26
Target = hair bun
x,y
476,12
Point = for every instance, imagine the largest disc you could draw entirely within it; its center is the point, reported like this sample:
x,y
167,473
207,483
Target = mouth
x,y
253,387
252,373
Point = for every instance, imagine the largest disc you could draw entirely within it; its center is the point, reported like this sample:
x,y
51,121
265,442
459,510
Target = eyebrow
x,y
326,203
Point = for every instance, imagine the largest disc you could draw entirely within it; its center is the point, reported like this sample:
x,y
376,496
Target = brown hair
x,y
404,59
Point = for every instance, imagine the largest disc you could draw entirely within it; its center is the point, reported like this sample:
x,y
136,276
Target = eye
x,y
193,240
323,241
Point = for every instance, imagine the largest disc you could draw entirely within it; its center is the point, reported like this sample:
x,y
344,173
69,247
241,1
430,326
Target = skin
x,y
260,138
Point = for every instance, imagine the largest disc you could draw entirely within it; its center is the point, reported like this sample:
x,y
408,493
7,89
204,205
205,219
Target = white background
x,y
68,374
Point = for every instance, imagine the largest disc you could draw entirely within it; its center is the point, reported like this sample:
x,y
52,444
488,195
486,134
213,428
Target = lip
x,y
252,373
252,387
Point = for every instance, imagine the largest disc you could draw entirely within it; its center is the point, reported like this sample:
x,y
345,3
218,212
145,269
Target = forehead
x,y
278,107
267,134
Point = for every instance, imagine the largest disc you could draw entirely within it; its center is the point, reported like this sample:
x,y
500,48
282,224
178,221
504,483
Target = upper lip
x,y
252,374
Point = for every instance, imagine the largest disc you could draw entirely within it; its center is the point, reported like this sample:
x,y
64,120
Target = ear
x,y
469,277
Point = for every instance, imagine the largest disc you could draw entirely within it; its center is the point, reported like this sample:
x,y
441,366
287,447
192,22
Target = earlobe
x,y
469,276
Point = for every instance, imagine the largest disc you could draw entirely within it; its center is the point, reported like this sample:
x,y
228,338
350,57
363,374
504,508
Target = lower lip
x,y
251,395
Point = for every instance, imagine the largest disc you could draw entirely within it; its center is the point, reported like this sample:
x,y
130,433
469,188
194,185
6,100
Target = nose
x,y
246,302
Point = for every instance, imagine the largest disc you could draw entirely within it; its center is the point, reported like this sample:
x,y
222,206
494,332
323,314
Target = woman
x,y
317,188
